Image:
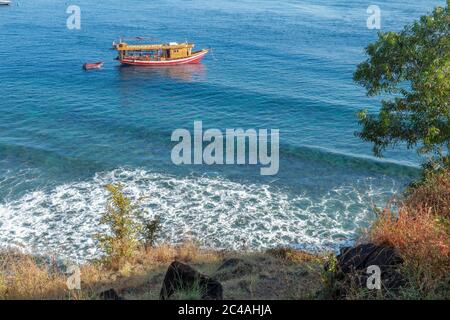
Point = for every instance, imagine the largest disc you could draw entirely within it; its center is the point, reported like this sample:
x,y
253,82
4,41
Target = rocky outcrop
x,y
180,276
352,266
362,256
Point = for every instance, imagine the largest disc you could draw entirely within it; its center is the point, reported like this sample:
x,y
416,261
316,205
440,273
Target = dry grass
x,y
421,237
296,256
22,278
433,192
27,277
291,276
420,230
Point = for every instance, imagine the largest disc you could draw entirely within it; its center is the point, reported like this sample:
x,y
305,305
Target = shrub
x,y
432,191
421,236
121,216
420,230
150,231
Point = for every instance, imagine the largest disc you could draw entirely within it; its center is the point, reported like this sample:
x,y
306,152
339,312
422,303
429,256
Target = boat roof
x,y
122,46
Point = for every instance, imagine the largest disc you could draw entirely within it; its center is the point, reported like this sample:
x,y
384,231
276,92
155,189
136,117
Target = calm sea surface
x,y
286,65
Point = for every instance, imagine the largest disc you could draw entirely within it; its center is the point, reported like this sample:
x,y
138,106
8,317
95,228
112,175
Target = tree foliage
x,y
150,231
411,71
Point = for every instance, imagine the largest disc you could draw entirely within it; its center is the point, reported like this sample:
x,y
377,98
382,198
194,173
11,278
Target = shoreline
x,y
403,241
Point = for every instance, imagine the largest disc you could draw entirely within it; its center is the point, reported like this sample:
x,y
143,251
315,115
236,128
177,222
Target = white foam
x,y
215,211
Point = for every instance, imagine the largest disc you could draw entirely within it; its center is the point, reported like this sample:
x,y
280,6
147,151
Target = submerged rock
x,y
180,276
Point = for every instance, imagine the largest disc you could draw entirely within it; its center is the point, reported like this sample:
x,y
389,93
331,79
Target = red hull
x,y
195,58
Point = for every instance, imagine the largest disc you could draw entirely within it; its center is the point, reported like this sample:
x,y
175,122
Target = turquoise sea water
x,y
286,65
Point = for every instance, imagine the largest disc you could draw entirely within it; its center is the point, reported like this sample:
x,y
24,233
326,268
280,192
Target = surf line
x,y
234,146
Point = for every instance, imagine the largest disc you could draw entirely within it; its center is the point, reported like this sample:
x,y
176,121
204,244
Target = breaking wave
x,y
215,211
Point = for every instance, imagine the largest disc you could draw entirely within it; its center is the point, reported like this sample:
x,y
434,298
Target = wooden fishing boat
x,y
95,65
158,54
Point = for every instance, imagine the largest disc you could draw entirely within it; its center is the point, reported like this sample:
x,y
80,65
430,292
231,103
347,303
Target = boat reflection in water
x,y
185,72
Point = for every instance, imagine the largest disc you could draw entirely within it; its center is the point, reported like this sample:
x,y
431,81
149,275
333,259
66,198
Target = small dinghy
x,y
5,2
95,65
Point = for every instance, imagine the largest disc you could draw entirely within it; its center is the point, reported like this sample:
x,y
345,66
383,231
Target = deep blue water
x,y
287,65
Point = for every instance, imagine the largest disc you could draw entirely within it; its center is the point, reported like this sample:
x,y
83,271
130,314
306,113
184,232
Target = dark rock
x,y
110,294
353,262
365,255
180,276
